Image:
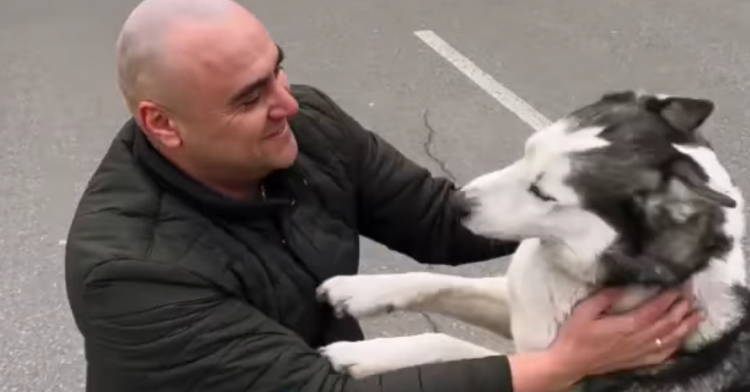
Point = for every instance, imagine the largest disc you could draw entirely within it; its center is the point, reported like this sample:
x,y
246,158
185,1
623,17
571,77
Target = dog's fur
x,y
625,191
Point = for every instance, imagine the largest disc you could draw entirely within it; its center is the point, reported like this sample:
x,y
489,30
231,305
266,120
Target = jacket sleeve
x,y
401,205
157,328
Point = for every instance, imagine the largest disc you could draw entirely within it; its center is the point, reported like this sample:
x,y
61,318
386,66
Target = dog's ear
x,y
682,113
687,172
683,191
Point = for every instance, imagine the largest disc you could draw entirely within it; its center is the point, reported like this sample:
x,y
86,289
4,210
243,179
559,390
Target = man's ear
x,y
683,113
158,126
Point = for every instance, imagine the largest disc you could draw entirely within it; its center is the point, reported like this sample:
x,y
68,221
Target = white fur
x,y
548,274
478,301
711,285
381,355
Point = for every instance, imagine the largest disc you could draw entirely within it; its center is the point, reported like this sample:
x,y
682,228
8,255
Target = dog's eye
x,y
536,191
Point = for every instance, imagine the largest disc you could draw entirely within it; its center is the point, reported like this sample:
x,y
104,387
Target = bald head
x,y
147,59
204,81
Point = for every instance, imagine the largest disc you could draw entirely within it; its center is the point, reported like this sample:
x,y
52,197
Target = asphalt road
x,y
59,108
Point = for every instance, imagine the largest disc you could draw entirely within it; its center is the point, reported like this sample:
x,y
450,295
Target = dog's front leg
x,y
481,302
377,356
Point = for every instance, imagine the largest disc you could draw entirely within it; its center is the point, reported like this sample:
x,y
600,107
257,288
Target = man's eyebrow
x,y
253,86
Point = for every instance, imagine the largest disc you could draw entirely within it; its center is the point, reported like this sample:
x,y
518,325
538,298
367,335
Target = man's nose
x,y
284,105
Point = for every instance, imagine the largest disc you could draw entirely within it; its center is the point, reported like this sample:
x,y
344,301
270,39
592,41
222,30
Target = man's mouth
x,y
277,132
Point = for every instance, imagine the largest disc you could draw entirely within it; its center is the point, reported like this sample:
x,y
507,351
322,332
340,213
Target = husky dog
x,y
625,191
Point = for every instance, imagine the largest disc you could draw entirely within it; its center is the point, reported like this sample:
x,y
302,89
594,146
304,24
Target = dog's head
x,y
628,185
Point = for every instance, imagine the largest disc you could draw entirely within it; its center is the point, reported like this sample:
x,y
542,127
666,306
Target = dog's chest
x,y
541,296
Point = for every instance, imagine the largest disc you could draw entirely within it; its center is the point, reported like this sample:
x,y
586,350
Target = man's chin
x,y
287,156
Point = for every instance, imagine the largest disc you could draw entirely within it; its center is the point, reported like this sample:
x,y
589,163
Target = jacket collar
x,y
175,181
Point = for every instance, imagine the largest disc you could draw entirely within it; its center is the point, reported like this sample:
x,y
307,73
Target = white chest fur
x,y
541,297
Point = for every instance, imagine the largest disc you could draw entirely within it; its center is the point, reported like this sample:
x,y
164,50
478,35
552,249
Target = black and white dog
x,y
625,191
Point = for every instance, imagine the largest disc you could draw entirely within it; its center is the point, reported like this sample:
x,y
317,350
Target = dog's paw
x,y
371,295
381,355
357,359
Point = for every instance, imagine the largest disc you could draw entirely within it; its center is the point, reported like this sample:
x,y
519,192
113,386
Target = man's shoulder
x,y
323,128
118,195
311,97
121,213
319,108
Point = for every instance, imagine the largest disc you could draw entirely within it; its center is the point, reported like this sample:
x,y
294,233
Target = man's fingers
x,y
677,335
659,348
647,314
597,304
661,341
652,311
668,323
688,290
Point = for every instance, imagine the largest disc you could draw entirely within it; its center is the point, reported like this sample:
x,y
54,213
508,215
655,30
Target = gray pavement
x,y
59,108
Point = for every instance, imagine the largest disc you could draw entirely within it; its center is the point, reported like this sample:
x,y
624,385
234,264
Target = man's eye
x,y
537,192
250,100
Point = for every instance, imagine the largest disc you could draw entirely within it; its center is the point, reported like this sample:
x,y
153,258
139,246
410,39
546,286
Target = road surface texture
x,y
59,109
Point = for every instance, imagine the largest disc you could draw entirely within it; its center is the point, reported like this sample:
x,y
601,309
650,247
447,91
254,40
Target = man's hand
x,y
593,343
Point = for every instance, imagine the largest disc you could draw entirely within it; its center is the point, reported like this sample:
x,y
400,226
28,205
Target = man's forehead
x,y
221,57
257,81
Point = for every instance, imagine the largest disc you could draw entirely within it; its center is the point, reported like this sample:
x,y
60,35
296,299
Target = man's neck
x,y
236,189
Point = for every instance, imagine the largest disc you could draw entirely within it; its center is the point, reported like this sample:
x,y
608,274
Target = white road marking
x,y
486,82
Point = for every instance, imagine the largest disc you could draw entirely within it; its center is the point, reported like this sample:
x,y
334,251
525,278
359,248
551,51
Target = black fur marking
x,y
642,116
669,223
665,253
722,364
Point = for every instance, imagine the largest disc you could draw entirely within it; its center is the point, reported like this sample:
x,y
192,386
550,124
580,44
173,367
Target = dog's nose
x,y
465,202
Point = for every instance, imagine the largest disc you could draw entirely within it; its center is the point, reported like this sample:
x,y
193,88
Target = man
x,y
195,251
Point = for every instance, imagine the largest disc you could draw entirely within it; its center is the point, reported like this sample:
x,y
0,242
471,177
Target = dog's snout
x,y
465,201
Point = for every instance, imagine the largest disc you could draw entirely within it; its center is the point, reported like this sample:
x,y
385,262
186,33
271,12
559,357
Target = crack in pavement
x,y
427,148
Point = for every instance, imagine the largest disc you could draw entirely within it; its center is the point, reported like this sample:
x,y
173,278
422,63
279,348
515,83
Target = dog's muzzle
x,y
464,203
